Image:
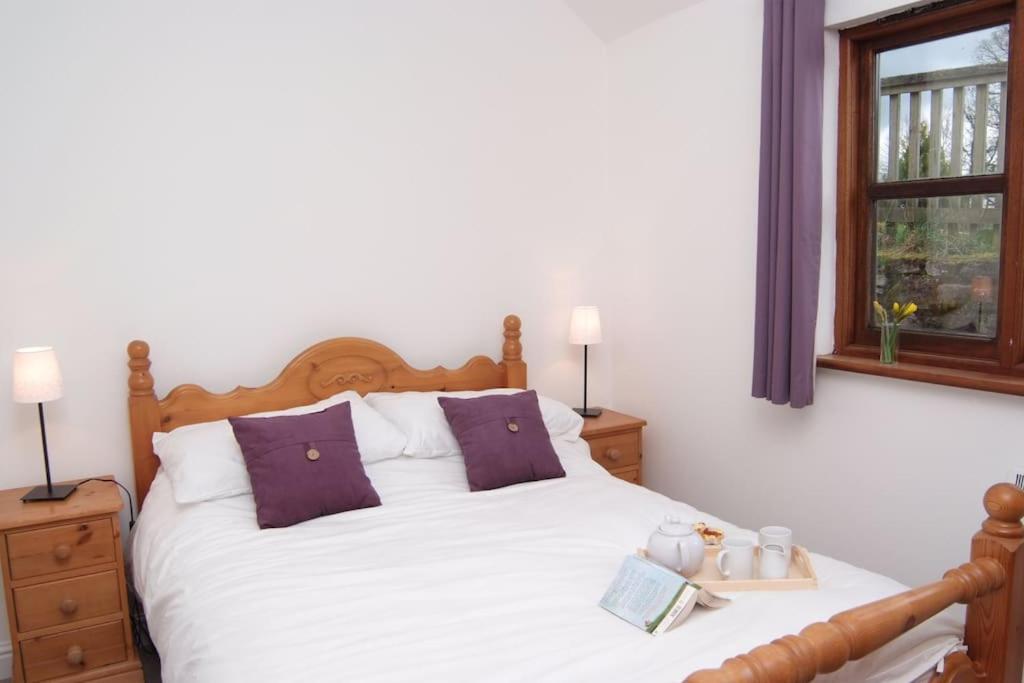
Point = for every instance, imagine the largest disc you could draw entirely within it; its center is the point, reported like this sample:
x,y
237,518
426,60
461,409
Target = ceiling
x,y
612,19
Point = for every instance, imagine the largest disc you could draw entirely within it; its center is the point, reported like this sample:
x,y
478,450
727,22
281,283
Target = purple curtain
x,y
789,202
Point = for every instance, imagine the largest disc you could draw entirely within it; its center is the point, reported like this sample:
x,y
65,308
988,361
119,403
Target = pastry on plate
x,y
710,535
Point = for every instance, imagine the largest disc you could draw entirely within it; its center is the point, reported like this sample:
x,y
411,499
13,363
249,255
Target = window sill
x,y
966,379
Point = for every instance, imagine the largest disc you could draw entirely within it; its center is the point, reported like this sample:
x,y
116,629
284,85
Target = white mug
x,y
774,563
777,535
736,559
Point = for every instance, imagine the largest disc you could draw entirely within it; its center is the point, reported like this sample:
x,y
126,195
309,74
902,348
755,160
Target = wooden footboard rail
x,y
991,584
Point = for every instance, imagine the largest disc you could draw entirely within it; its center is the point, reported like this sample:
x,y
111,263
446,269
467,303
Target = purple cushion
x,y
503,439
303,466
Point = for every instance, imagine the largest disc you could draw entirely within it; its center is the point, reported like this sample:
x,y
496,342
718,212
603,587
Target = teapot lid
x,y
673,526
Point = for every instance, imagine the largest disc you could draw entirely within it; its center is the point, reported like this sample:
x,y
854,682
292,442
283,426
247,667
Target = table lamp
x,y
37,380
585,329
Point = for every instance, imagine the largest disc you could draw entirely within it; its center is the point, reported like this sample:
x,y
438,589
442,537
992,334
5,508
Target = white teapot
x,y
677,546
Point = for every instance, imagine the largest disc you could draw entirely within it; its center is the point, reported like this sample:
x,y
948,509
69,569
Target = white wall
x,y
233,181
844,13
883,473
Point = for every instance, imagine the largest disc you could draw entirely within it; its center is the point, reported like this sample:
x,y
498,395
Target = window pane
x,y
941,253
941,105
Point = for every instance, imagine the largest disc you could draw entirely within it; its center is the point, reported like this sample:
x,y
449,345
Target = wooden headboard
x,y
320,371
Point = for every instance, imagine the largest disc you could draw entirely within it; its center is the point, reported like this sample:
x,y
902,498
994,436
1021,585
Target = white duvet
x,y
441,584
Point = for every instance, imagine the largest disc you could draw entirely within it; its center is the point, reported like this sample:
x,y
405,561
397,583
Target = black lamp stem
x,y
46,452
48,492
586,411
584,386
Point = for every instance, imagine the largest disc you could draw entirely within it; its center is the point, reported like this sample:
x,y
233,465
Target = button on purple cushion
x,y
503,439
303,466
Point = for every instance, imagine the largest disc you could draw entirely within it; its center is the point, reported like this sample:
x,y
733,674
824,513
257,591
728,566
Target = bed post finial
x,y
144,415
1004,504
512,353
140,382
995,622
513,349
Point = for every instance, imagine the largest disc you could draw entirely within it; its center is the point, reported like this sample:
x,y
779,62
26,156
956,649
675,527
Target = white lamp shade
x,y
585,326
37,375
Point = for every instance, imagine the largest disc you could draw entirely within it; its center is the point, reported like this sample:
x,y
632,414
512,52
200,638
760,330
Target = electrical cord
x,y
131,508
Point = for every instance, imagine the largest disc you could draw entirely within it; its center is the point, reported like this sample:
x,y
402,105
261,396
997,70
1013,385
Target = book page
x,y
642,593
711,600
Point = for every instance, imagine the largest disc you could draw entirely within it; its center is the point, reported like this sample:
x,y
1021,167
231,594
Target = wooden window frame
x,y
993,365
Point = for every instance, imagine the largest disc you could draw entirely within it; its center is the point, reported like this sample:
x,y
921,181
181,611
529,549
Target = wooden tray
x,y
801,574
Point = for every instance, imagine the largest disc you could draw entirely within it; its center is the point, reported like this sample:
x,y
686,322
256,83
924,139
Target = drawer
x,y
67,601
631,474
617,450
59,548
73,651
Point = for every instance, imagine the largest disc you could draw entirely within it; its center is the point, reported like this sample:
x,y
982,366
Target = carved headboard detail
x,y
327,368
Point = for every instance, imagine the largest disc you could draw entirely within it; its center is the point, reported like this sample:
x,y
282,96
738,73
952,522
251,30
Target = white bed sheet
x,y
442,584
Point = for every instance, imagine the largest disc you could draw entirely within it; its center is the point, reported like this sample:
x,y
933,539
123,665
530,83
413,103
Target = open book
x,y
653,597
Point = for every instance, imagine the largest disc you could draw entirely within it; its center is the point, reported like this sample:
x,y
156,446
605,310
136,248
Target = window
x,y
929,194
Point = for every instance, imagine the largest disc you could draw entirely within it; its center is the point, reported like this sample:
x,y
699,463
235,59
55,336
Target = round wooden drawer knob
x,y
68,606
613,454
76,655
62,552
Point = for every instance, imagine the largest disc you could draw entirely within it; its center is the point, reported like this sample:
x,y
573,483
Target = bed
x,y
442,584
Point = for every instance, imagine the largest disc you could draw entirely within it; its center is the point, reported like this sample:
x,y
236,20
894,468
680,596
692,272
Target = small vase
x,y
889,344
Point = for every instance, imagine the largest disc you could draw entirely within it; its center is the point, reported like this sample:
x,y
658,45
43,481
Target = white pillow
x,y
562,421
420,417
204,462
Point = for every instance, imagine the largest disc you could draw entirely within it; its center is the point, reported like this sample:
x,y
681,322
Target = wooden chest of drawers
x,y
616,443
64,586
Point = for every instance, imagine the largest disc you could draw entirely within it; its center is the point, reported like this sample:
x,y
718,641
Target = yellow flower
x,y
880,312
904,311
896,307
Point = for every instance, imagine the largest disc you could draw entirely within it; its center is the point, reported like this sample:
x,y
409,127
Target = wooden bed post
x,y
995,622
144,414
512,353
825,647
991,585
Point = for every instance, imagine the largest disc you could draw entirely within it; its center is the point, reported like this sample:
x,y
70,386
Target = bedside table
x,y
616,443
64,585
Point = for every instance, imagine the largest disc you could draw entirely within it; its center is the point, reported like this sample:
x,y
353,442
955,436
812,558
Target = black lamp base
x,y
43,493
588,412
